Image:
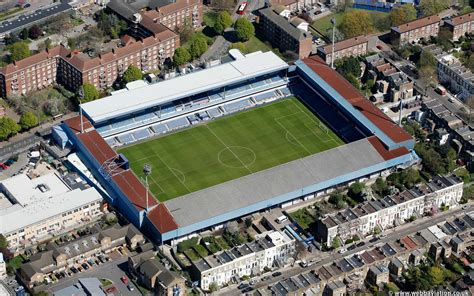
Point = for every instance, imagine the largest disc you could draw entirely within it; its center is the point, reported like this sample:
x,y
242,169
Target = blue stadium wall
x,y
116,197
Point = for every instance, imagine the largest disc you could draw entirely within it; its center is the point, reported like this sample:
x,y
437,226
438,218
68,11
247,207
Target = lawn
x,y
303,218
324,23
255,44
230,147
16,261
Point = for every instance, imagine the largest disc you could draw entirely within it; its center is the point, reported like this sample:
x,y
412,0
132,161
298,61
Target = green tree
x,y
132,73
240,46
244,29
380,186
436,275
19,51
336,243
42,293
24,34
410,177
198,47
28,120
48,43
223,21
71,43
444,37
356,23
8,128
87,92
181,56
356,189
402,14
348,66
3,242
213,287
430,7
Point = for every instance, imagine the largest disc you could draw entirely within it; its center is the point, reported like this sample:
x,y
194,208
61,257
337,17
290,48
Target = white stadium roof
x,y
141,98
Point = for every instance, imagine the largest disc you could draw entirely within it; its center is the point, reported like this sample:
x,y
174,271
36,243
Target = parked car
x,y
246,290
243,286
125,280
85,266
130,287
275,274
111,290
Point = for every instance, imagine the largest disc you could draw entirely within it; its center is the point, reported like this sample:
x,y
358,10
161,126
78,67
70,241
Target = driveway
x,y
111,270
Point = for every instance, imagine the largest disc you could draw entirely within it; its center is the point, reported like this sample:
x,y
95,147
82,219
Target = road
x,y
392,235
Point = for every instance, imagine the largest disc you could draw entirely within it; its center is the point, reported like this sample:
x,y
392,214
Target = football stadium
x,y
230,140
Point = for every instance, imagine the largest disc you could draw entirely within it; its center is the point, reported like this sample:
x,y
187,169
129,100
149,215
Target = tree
x,y
430,7
3,242
223,21
8,128
198,47
19,51
87,92
24,34
42,293
356,189
213,287
444,36
35,32
181,56
28,120
356,23
185,32
380,186
338,36
240,46
48,43
132,73
244,29
336,242
71,43
349,67
402,14
436,275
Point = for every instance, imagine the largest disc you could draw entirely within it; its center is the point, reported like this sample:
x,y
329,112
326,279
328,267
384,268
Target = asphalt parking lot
x,y
111,270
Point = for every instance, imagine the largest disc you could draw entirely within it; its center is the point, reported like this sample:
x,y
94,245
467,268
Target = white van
x,y
281,219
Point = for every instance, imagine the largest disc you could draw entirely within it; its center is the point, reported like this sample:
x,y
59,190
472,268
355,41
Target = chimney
x,y
113,51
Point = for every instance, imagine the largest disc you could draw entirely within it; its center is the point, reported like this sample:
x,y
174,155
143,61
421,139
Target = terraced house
x,y
460,25
413,31
391,210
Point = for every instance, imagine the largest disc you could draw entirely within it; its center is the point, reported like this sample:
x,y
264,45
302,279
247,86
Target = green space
x,y
303,218
255,44
16,262
105,282
324,23
10,12
209,18
230,147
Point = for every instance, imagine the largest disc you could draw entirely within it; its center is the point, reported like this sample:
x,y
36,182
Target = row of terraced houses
x,y
147,48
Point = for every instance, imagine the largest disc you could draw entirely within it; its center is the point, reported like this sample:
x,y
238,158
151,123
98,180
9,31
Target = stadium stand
x,y
177,123
237,106
141,134
159,128
262,98
126,139
214,112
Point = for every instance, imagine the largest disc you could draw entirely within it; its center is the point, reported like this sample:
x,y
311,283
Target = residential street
x,y
326,258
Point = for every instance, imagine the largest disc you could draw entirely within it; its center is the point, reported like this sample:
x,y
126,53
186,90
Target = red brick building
x,y
460,25
349,47
72,69
413,31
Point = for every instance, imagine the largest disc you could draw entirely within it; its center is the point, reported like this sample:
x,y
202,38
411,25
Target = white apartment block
x,y
33,210
391,210
272,250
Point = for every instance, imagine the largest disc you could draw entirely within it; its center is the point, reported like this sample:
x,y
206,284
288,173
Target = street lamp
x,y
333,22
146,172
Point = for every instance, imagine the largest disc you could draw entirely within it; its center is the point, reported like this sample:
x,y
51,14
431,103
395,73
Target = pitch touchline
x,y
229,149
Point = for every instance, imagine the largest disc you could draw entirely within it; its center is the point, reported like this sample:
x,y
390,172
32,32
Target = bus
x,y
440,90
241,9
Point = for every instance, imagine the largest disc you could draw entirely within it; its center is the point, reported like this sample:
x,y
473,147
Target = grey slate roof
x,y
284,24
277,181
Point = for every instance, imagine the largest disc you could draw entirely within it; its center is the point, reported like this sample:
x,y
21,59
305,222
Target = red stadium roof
x,y
129,184
382,150
353,96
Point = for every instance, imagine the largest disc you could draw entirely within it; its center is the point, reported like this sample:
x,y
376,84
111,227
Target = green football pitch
x,y
230,147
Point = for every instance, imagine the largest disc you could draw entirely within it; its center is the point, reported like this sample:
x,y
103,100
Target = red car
x,y
241,9
124,280
3,166
111,290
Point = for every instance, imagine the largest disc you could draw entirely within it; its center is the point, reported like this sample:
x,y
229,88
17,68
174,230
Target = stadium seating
x,y
141,134
126,139
214,112
177,123
260,98
159,128
203,116
286,92
111,142
236,106
193,119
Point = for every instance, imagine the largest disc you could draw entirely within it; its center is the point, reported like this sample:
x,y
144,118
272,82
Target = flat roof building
x,y
47,206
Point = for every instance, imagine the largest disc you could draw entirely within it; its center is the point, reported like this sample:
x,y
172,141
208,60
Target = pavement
x,y
329,257
111,270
